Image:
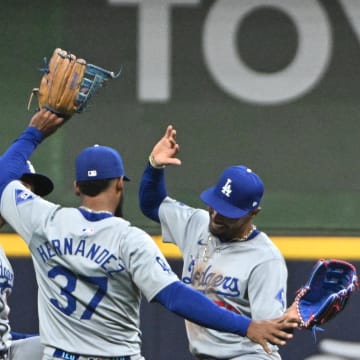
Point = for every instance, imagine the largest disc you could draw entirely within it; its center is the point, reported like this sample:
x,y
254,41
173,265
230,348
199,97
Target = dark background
x,y
164,334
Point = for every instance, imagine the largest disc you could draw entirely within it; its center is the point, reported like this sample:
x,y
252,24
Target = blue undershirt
x,y
19,336
152,192
13,161
196,307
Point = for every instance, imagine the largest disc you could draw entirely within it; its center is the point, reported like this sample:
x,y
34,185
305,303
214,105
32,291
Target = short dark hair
x,y
93,187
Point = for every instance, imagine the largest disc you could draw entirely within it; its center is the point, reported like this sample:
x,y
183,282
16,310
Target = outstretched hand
x,y
46,121
276,331
166,149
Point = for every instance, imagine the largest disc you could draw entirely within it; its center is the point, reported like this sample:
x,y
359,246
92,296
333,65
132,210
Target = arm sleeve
x,y
18,336
267,294
12,163
196,307
24,211
152,192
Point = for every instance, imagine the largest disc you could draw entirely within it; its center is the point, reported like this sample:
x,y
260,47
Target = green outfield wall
x,y
270,84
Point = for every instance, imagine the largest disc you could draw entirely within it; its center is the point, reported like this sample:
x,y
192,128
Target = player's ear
x,y
255,212
76,189
119,184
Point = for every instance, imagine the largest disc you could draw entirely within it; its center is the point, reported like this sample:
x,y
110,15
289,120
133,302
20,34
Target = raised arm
x,y
152,189
42,124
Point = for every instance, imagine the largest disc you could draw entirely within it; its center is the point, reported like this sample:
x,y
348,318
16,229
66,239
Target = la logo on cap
x,y
226,189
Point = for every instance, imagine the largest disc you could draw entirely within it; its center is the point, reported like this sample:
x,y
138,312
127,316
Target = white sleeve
x,y
24,211
149,269
267,293
180,221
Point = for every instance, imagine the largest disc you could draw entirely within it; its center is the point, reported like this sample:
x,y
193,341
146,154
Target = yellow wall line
x,y
292,247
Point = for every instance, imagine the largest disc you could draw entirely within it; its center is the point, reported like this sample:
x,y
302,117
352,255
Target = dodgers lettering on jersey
x,y
6,286
6,273
97,253
209,279
6,277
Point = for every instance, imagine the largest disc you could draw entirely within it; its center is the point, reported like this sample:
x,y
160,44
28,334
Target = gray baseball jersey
x,y
29,348
6,286
248,277
90,274
6,279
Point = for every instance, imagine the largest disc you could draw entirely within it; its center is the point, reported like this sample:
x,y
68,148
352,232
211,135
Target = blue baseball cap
x,y
42,184
98,163
238,191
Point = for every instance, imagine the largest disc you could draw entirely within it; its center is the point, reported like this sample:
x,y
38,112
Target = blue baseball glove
x,y
326,293
68,83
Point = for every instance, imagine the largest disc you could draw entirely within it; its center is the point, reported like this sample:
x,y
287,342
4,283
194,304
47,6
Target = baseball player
x,y
225,256
92,267
15,346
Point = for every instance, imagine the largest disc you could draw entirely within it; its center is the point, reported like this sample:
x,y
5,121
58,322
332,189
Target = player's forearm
x,y
195,307
152,192
12,162
26,143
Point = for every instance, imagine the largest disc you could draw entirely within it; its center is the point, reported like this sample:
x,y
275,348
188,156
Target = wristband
x,y
154,164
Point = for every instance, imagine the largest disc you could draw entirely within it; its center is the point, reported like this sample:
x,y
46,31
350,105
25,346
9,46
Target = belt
x,y
69,356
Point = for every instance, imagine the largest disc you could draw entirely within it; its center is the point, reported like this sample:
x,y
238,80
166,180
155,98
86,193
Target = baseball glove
x,y
326,293
68,83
